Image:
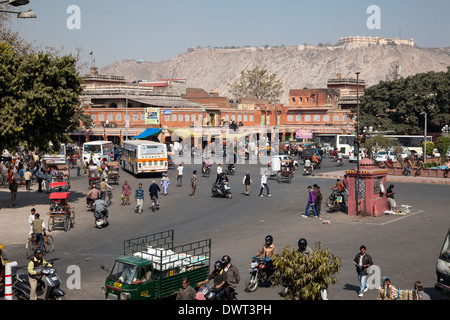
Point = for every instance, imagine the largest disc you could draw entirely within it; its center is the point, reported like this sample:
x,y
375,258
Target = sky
x,y
158,30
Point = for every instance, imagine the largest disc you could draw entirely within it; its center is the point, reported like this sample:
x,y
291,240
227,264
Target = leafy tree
x,y
39,95
377,143
305,277
397,105
443,145
257,83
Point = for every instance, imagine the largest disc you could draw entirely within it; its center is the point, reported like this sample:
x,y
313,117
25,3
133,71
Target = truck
x,y
151,267
443,267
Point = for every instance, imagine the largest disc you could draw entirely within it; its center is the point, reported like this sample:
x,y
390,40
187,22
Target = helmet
x,y
302,243
226,259
218,266
268,239
37,252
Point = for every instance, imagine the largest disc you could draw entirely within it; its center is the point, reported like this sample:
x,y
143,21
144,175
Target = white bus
x,y
411,143
98,150
143,156
342,142
56,158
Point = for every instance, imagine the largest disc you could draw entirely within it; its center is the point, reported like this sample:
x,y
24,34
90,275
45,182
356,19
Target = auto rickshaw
x,y
61,213
113,172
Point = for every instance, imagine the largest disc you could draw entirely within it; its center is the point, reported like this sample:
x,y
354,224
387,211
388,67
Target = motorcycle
x,y
307,171
231,170
48,286
101,218
261,270
317,165
221,189
206,292
340,162
335,202
206,171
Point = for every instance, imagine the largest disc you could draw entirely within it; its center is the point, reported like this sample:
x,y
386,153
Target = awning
x,y
147,133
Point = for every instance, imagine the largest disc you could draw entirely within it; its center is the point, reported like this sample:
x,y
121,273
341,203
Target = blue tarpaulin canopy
x,y
147,133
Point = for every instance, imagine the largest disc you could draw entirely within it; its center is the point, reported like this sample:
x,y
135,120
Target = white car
x,y
382,156
286,157
352,155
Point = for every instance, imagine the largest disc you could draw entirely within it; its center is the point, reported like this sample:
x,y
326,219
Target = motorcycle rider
x,y
154,189
33,275
341,189
340,157
303,247
101,206
92,195
219,275
233,277
307,167
267,251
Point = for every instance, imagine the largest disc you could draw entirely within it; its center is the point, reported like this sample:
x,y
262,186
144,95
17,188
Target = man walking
x,y
317,199
219,172
126,190
247,182
194,183
27,176
264,185
180,175
362,262
139,196
311,201
13,186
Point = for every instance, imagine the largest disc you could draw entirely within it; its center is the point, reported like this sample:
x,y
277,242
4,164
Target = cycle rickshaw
x,y
62,215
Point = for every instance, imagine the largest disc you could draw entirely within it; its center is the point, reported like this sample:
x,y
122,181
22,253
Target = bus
x,y
342,142
143,156
411,143
98,150
55,158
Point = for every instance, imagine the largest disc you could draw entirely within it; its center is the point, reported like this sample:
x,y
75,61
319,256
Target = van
x,y
443,267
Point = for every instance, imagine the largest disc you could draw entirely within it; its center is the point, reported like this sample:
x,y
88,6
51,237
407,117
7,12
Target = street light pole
x,y
357,144
425,139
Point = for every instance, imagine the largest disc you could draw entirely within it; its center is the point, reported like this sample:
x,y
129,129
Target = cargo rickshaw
x,y
113,172
62,215
286,172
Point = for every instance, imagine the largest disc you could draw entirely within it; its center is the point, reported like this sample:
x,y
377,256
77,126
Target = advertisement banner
x,y
304,134
152,116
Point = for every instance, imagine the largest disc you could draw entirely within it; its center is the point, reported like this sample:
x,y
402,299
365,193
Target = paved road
x,y
404,247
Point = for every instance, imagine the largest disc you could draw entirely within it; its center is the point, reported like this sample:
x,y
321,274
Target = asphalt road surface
x,y
405,248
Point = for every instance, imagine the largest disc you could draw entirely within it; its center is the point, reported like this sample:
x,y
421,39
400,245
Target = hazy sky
x,y
158,30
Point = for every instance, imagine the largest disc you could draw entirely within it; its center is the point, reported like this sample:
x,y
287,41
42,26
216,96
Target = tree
x,y
257,83
39,95
305,277
397,105
377,143
443,146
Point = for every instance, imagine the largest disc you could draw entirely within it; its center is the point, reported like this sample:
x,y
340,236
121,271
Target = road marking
x,y
399,218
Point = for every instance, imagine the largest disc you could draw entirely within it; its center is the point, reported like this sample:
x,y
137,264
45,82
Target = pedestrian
x,y
420,294
139,197
40,177
318,196
165,182
21,173
385,290
362,262
345,183
219,172
30,220
79,166
186,292
13,186
390,197
27,175
247,182
310,204
194,183
180,175
264,185
126,190
48,180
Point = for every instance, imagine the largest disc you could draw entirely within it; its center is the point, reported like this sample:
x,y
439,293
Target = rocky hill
x,y
296,66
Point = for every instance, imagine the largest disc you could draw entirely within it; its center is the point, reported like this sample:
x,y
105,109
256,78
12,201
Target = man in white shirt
x,y
219,172
264,185
180,175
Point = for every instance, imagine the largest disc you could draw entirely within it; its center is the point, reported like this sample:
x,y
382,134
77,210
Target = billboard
x,y
304,134
152,116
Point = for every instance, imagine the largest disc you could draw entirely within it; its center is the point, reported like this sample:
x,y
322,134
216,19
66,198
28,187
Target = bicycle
x,y
33,244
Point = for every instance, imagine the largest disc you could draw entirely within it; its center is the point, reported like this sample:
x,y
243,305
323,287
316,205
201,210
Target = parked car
x,y
382,156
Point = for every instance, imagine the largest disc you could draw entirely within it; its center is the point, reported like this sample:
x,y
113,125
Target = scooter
x,y
340,162
231,169
206,292
101,219
307,170
48,286
221,189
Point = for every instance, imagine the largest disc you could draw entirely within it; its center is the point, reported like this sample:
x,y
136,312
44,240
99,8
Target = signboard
x,y
304,134
167,111
152,116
